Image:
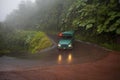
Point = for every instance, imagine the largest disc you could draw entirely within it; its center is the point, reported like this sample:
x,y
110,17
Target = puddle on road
x,y
67,59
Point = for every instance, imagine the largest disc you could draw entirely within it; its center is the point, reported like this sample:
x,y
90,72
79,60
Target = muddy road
x,y
85,62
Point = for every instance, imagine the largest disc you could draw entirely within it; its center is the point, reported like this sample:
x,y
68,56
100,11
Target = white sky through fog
x,y
7,6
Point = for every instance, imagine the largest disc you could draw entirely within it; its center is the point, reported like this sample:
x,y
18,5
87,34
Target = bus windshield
x,y
67,37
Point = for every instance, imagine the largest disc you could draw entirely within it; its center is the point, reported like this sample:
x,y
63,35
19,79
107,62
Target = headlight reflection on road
x,y
59,59
69,59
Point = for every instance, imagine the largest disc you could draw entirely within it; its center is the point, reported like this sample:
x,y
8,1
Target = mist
x,y
23,18
7,6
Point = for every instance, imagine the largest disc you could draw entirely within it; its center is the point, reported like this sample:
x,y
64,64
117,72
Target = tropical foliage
x,y
102,16
96,21
24,41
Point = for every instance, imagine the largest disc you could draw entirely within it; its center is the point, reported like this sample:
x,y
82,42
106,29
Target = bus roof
x,y
68,33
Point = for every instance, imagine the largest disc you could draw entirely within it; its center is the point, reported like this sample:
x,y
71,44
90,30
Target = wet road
x,y
81,53
85,62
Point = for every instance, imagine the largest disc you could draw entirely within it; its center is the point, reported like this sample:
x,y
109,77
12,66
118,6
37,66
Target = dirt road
x,y
84,62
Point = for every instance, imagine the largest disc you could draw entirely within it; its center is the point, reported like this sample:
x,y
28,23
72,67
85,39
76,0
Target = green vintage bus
x,y
66,40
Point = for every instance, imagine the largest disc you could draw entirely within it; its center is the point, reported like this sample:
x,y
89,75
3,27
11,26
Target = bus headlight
x,y
59,45
70,45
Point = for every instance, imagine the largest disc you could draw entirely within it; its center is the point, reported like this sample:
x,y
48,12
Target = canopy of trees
x,y
42,15
102,16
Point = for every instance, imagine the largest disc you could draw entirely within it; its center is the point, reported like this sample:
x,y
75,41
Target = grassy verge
x,y
38,42
25,41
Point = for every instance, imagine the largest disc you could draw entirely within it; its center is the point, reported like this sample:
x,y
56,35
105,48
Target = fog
x,y
7,6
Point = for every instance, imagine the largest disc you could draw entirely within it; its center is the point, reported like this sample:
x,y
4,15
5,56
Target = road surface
x,y
85,62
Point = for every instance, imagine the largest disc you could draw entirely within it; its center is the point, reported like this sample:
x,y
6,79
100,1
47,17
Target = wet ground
x,y
82,53
85,62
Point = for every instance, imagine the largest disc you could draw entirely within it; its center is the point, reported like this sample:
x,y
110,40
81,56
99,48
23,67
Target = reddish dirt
x,y
105,69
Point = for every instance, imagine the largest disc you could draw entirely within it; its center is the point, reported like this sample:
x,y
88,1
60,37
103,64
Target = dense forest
x,y
96,21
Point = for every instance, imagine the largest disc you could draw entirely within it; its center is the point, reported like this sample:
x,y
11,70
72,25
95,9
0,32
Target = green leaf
x,y
89,26
100,29
114,26
118,31
82,24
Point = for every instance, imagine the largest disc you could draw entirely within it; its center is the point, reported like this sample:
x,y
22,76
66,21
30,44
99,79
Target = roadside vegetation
x,y
20,41
96,21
